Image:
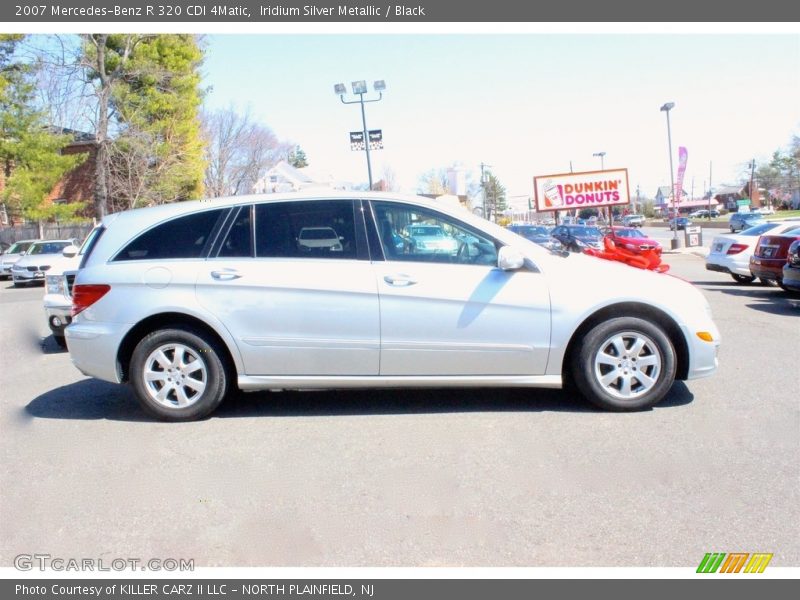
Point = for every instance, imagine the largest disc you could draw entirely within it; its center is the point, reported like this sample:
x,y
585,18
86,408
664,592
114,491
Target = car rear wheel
x,y
624,364
742,278
178,374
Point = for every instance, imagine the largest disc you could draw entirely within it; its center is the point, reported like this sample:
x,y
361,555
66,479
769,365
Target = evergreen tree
x,y
149,147
30,153
158,154
297,158
495,195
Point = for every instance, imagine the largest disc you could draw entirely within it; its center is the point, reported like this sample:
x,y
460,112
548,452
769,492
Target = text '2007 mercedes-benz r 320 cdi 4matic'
x,y
188,300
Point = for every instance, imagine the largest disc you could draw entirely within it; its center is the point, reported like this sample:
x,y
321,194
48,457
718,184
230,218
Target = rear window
x,y
89,243
182,237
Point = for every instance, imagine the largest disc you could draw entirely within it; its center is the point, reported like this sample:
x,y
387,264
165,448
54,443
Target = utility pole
x,y
487,207
709,190
752,172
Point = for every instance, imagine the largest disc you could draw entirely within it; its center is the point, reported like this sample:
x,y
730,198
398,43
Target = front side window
x,y
313,229
414,234
182,237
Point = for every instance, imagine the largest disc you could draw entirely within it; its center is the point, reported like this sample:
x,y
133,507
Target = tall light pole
x,y
674,242
359,89
601,155
603,168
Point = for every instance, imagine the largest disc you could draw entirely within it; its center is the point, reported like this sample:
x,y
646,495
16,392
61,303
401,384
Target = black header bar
x,y
388,11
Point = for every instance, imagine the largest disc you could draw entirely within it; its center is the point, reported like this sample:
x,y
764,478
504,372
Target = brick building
x,y
77,185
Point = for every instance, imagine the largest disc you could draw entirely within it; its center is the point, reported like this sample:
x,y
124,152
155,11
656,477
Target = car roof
x,y
122,227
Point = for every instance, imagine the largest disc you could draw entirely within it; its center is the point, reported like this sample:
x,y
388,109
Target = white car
x,y
319,239
730,253
58,284
187,301
9,258
38,260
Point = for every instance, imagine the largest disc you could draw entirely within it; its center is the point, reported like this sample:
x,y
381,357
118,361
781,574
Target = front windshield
x,y
18,247
49,248
427,231
586,231
758,229
322,233
531,230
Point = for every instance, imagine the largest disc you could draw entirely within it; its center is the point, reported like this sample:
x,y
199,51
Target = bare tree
x,y
238,151
64,93
388,181
433,182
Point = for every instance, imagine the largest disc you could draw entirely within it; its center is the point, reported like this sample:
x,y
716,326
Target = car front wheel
x,y
624,364
742,278
178,374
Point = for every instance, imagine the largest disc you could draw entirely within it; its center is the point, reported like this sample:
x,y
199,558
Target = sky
x,y
527,104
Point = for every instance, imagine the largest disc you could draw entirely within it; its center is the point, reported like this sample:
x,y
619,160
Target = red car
x,y
771,254
631,239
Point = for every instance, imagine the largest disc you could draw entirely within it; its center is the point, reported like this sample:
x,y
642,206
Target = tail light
x,y
736,248
83,296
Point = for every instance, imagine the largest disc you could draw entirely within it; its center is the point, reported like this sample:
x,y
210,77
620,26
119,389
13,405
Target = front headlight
x,y
55,284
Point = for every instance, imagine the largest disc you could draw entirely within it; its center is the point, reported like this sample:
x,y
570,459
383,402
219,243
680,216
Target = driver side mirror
x,y
510,259
69,251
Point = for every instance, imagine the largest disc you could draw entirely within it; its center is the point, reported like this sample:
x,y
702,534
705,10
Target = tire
x,y
60,340
17,284
733,230
595,364
180,394
743,279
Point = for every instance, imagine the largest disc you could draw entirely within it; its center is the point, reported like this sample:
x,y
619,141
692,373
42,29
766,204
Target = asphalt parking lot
x,y
401,478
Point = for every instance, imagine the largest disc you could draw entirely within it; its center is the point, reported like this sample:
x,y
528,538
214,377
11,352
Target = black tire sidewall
x,y
216,386
583,364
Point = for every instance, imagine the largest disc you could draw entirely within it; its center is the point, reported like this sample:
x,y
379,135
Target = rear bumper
x,y
791,278
767,268
93,348
723,264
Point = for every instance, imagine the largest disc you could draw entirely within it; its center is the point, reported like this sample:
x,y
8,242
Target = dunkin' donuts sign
x,y
566,191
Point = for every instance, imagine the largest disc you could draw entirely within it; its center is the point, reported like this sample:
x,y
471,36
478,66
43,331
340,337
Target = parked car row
x,y
27,261
761,251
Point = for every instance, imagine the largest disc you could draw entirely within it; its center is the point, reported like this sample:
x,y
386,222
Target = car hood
x,y
582,284
58,262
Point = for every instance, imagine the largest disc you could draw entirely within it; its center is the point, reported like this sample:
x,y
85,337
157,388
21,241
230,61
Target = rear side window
x,y
182,237
315,229
238,242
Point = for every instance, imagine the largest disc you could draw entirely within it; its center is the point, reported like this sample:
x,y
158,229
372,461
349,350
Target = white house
x,y
283,177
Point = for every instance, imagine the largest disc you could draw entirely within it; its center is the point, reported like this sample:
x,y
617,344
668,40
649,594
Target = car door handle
x,y
399,280
225,275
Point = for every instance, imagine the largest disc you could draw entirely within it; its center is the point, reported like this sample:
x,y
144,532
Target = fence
x,y
50,231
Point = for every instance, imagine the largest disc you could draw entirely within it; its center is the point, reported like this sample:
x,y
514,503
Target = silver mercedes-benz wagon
x,y
334,290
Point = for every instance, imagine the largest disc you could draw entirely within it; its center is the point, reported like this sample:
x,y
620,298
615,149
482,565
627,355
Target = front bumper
x,y
58,317
27,276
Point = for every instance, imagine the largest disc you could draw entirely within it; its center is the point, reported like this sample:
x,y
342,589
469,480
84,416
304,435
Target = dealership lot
x,y
410,478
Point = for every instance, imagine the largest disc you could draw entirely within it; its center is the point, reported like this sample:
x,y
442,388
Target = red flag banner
x,y
683,156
